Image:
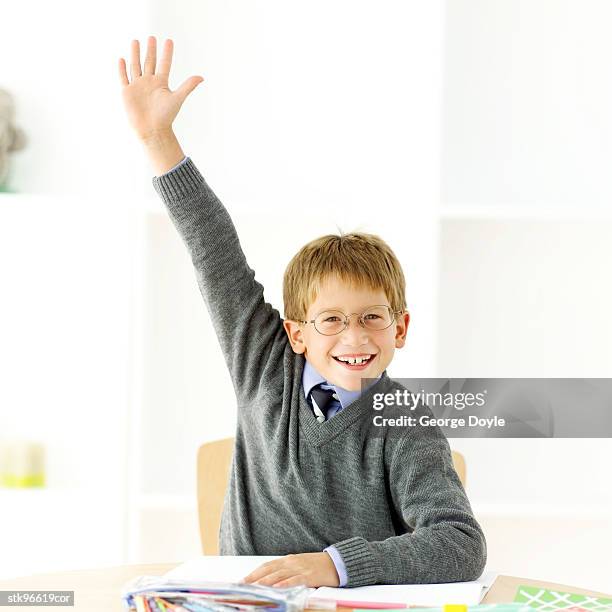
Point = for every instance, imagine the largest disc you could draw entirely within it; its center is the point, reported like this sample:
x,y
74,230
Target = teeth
x,y
354,360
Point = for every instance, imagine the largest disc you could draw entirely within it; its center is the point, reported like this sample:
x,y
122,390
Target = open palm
x,y
150,105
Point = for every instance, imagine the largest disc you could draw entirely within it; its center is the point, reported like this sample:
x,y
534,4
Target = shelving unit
x,y
64,329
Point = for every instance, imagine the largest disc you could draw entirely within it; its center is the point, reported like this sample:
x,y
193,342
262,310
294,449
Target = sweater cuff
x,y
181,181
362,565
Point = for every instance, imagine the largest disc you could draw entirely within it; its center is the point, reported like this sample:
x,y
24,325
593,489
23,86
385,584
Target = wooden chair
x,y
214,460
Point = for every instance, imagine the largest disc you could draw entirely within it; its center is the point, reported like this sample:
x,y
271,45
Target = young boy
x,y
309,480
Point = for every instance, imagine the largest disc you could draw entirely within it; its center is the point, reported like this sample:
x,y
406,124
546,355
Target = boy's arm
x,y
446,544
249,329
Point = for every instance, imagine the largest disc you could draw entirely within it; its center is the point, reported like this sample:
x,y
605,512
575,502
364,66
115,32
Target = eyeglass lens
x,y
332,322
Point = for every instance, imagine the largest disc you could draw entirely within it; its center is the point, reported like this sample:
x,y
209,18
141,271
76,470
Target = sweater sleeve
x,y
249,330
443,543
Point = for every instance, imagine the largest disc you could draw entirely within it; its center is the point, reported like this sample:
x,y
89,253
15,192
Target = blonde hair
x,y
359,259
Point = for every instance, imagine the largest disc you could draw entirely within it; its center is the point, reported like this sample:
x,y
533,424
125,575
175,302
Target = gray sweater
x,y
392,505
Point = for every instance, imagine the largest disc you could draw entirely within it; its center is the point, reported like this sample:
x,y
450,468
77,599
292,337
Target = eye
x,y
331,319
372,317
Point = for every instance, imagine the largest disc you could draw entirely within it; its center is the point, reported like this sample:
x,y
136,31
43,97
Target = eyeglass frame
x,y
347,318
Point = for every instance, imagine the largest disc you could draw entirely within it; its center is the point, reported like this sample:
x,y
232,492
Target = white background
x,y
474,136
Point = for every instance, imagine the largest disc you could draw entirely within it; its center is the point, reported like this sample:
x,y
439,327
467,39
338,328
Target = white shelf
x,y
159,501
543,510
32,494
140,203
523,211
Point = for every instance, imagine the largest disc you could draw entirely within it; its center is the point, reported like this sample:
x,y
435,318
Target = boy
x,y
344,508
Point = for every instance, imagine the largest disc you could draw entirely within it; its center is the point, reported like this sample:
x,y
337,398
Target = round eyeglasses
x,y
332,322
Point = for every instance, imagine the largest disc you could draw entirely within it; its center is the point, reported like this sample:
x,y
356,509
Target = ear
x,y
295,335
401,329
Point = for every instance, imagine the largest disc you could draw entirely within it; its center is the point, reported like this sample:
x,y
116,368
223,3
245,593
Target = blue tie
x,y
324,399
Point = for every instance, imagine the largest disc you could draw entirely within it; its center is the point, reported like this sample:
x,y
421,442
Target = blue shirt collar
x,y
311,378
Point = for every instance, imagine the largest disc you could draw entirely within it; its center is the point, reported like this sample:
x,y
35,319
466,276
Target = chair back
x,y
214,461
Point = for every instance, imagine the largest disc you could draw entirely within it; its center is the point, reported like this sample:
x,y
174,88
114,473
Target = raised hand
x,y
150,105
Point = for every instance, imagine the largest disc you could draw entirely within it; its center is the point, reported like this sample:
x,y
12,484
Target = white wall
x,y
525,297
60,63
527,103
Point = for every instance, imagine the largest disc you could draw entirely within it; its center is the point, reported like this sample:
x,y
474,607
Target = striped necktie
x,y
321,400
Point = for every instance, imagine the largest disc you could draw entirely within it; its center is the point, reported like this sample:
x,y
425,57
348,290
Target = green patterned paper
x,y
549,600
500,607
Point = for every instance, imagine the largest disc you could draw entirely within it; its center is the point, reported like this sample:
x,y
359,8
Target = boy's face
x,y
355,341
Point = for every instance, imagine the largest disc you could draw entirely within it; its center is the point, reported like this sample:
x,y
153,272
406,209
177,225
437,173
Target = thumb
x,y
188,86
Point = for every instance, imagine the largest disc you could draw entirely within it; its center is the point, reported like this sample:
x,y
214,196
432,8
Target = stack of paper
x,y
382,596
234,569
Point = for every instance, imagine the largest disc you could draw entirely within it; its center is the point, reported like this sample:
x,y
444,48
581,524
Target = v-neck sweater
x,y
391,503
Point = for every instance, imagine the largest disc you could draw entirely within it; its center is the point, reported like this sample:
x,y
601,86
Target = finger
x,y
135,70
123,77
166,59
151,59
188,86
274,577
263,570
290,582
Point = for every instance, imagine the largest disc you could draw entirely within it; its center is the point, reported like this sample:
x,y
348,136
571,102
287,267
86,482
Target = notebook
x,y
234,569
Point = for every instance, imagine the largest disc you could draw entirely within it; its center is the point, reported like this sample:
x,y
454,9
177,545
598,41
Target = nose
x,y
354,334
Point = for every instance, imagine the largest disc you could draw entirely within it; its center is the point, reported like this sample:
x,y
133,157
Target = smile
x,y
354,363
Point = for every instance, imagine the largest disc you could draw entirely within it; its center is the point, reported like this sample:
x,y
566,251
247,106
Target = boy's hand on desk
x,y
310,569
